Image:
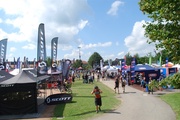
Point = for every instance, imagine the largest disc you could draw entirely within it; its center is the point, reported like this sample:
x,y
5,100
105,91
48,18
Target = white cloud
x,y
29,46
72,55
82,24
89,46
107,57
137,42
61,18
3,34
13,49
121,54
114,7
66,47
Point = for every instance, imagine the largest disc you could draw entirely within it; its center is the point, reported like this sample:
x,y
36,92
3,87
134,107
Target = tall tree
x,y
77,64
94,59
164,28
128,58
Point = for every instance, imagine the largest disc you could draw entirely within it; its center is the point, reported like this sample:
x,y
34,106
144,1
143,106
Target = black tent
x,y
18,95
5,75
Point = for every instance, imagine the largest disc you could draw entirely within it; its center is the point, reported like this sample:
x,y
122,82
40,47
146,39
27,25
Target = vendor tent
x,y
18,95
148,71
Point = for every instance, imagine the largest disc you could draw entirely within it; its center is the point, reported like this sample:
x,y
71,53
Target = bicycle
x,y
65,88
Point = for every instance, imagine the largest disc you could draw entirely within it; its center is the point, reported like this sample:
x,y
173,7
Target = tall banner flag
x,y
3,48
27,62
18,63
25,66
14,63
54,43
41,51
132,69
109,62
66,63
101,64
34,62
123,67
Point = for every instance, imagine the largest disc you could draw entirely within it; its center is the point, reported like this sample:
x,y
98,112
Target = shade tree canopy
x,y
164,28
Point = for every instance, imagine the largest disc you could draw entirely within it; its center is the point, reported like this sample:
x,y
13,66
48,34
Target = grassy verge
x,y
174,101
82,106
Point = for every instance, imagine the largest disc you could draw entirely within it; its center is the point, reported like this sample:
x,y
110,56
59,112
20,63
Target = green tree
x,y
77,64
128,58
49,61
164,28
94,59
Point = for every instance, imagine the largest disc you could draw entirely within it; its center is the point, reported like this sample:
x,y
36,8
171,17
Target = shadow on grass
x,y
60,110
89,96
128,92
103,111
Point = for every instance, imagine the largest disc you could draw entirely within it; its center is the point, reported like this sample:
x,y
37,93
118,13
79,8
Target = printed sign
x,y
58,99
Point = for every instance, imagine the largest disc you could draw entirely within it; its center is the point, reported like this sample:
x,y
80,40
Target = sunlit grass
x,y
82,106
173,100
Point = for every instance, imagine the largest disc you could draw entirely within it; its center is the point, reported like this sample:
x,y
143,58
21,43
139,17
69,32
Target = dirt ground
x,y
48,111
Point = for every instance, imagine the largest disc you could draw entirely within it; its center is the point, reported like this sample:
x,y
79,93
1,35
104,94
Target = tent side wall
x,y
18,99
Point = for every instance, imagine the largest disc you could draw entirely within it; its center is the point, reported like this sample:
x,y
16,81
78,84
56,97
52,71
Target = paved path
x,y
138,105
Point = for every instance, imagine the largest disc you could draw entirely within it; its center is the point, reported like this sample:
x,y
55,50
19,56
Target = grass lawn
x,y
82,106
173,100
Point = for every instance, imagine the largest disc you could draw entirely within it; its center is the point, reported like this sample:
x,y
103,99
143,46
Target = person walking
x,y
150,88
116,84
98,102
123,83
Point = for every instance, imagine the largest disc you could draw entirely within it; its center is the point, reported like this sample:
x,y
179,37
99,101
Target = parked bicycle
x,y
65,88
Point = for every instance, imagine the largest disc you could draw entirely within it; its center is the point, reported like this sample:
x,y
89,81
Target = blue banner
x,y
132,69
18,63
123,67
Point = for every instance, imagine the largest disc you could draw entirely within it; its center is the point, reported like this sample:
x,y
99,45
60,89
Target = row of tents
x,y
147,70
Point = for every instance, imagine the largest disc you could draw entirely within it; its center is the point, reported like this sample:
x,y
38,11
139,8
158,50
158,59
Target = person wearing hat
x,y
98,102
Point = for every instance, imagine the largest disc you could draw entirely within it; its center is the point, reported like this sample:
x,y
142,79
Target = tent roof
x,y
142,68
26,76
33,73
22,77
5,75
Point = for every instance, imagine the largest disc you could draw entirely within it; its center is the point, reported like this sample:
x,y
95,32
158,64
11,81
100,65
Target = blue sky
x,y
110,27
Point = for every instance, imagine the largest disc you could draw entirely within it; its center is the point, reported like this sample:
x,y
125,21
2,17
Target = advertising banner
x,y
3,48
58,99
54,46
41,51
132,69
65,68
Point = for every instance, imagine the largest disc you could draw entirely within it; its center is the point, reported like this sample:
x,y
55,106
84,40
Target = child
x,y
98,102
